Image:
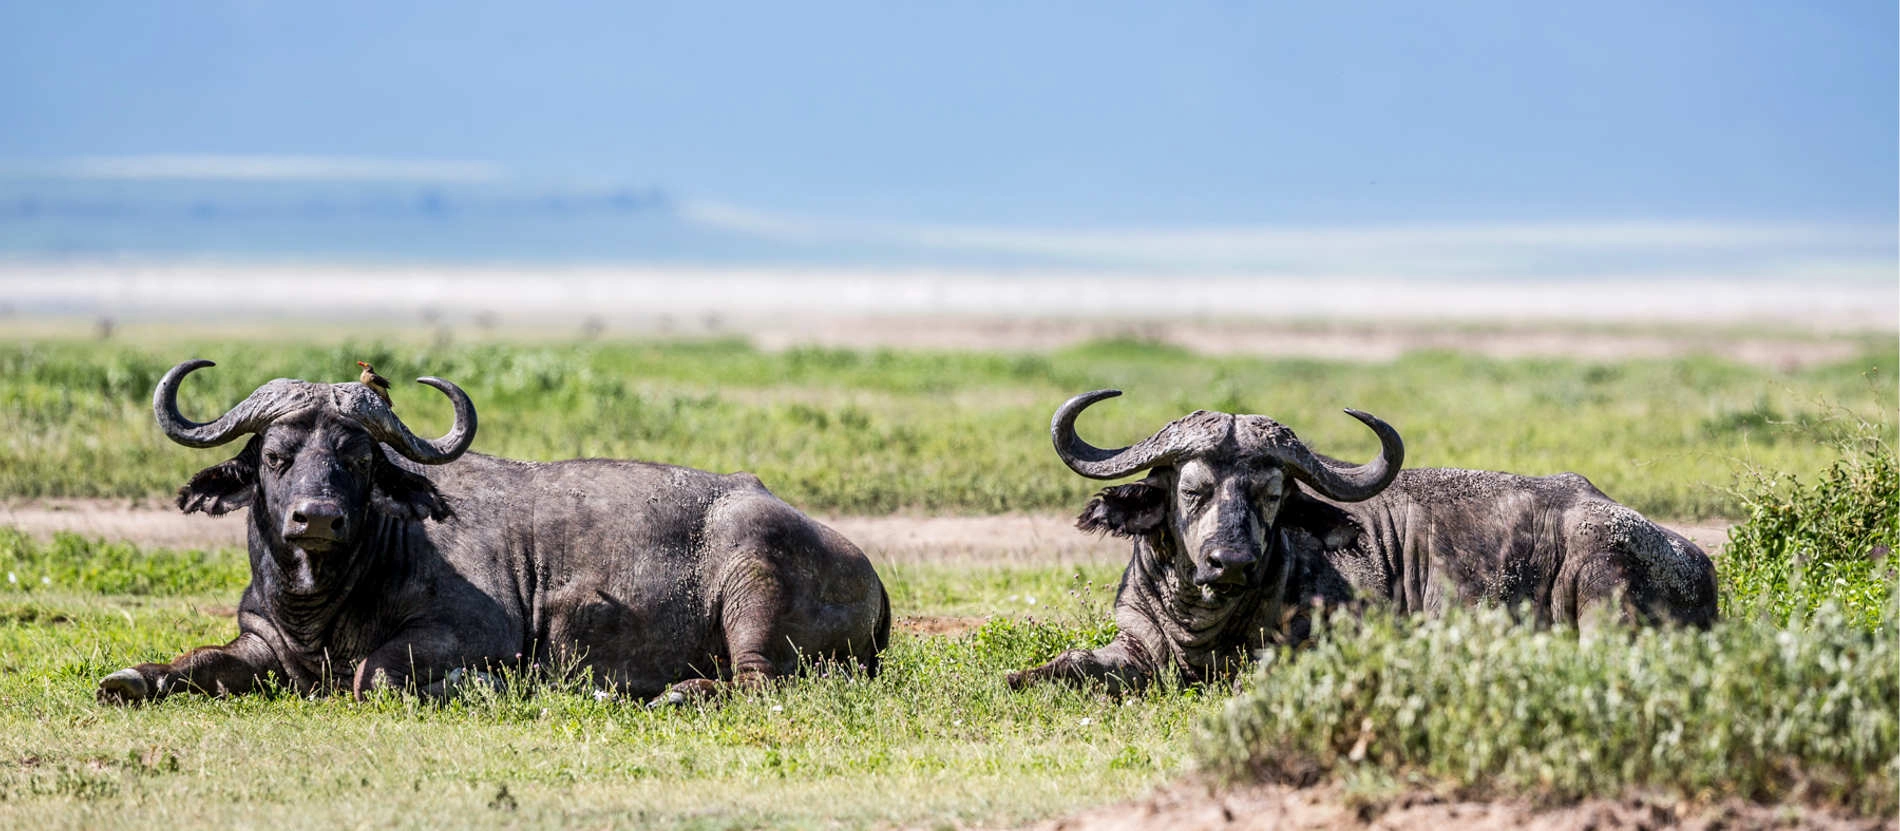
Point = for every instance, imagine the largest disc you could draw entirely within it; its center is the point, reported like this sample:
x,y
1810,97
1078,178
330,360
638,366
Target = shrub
x,y
1746,709
1804,544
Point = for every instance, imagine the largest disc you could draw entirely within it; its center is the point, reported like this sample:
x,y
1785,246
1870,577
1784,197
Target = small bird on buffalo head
x,y
376,383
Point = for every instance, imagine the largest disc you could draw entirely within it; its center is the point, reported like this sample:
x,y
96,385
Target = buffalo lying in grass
x,y
376,571
1240,531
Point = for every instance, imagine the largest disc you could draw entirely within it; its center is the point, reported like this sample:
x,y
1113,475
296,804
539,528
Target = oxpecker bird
x,y
375,382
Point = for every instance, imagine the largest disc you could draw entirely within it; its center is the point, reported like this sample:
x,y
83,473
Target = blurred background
x,y
817,172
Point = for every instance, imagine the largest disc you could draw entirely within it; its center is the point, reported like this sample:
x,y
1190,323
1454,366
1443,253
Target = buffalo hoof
x,y
126,686
671,698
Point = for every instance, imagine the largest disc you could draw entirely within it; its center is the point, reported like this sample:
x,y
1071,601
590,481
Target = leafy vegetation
x,y
1827,540
1745,709
878,430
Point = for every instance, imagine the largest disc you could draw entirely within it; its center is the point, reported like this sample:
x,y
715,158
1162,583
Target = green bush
x,y
1746,709
1831,539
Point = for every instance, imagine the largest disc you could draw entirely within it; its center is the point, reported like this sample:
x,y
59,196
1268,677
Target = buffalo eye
x,y
1195,495
275,460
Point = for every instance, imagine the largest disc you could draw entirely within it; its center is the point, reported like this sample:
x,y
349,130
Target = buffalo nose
x,y
1231,558
314,518
1224,565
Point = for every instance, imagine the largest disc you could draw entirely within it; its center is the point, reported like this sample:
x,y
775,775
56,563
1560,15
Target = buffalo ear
x,y
1333,528
404,495
223,487
1132,510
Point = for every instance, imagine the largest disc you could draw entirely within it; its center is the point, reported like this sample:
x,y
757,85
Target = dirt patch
x,y
939,624
1710,534
900,539
1189,807
144,522
1040,539
1006,539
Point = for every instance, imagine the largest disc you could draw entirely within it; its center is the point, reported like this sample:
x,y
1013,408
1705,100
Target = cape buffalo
x,y
1240,531
371,570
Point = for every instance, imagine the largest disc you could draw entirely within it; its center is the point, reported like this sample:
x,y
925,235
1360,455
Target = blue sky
x,y
1057,118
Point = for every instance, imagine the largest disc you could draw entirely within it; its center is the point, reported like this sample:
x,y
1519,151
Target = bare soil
x,y
897,539
939,624
1191,806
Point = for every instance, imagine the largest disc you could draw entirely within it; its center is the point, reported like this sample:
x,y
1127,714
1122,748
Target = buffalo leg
x,y
231,669
694,689
1121,665
426,658
759,654
760,634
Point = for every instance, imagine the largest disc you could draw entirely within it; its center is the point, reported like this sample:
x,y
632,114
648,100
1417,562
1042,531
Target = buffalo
x,y
1241,533
380,559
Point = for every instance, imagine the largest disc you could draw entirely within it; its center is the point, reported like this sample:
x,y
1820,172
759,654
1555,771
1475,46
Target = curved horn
x,y
1334,479
247,417
1097,463
388,429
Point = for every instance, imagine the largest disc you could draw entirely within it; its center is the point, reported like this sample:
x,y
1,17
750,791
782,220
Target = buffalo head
x,y
1215,487
314,466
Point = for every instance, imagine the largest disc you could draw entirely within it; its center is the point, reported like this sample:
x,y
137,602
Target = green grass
x,y
71,562
964,591
873,431
935,738
1776,702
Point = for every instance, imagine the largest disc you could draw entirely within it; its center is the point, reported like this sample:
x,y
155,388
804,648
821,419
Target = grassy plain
x,y
957,432
936,739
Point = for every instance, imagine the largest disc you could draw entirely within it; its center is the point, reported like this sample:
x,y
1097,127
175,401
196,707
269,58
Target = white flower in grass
x,y
12,578
603,695
778,708
46,580
1086,721
1031,600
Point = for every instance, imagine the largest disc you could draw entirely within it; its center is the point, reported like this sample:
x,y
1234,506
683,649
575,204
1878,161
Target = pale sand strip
x,y
1025,539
